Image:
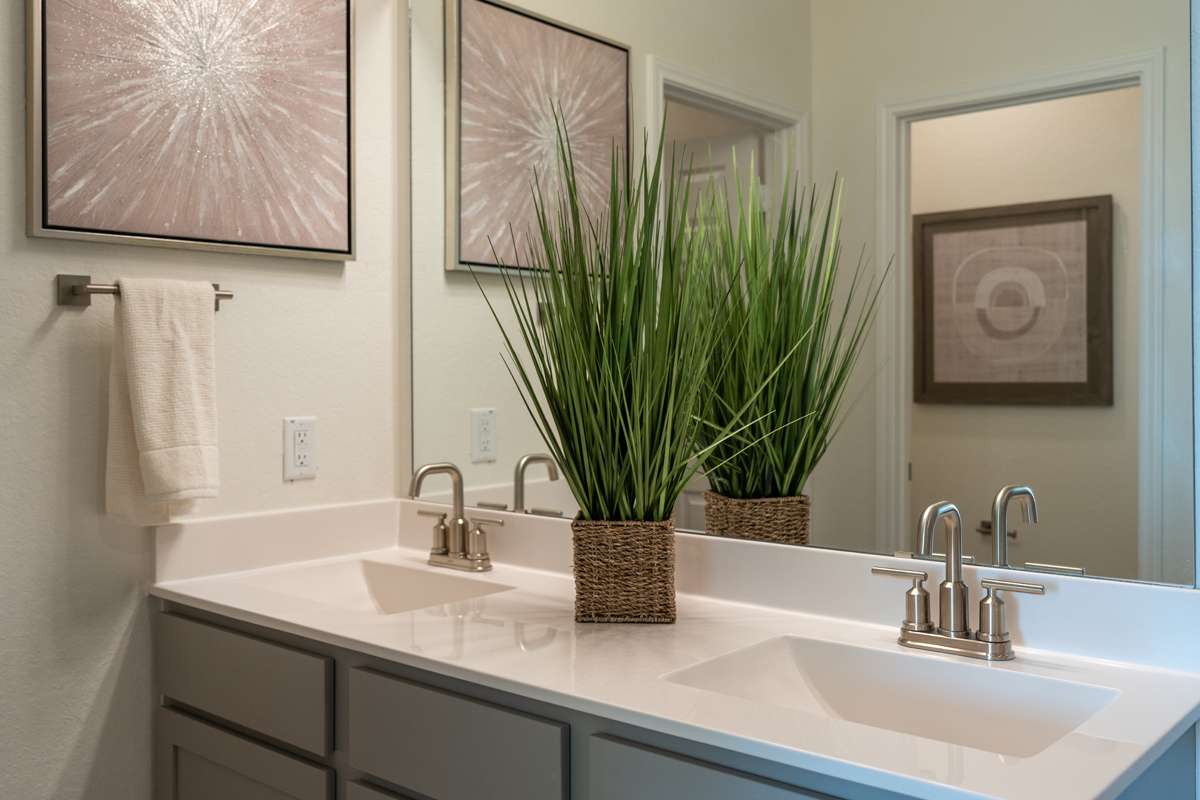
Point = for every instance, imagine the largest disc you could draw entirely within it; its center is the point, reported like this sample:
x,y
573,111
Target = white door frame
x,y
893,327
667,81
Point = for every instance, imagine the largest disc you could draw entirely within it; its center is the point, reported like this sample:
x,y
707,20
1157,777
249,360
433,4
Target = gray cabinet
x,y
357,790
278,692
620,770
451,747
197,760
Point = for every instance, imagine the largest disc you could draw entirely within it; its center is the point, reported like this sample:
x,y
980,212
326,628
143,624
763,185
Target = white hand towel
x,y
162,405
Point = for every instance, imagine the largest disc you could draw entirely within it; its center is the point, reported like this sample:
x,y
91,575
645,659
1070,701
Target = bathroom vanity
x,y
315,655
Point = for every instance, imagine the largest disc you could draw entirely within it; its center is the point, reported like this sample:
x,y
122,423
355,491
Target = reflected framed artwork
x,y
1013,304
193,124
508,74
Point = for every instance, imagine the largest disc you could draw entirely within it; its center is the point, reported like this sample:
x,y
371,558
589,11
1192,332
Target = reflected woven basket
x,y
624,571
772,519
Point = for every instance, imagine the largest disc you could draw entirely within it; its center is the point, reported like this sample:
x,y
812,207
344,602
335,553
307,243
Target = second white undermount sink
x,y
961,702
373,586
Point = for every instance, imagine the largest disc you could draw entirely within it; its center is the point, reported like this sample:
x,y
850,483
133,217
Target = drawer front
x,y
197,760
620,770
277,691
450,747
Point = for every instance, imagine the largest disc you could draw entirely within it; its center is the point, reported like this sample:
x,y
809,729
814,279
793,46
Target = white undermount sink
x,y
959,701
373,586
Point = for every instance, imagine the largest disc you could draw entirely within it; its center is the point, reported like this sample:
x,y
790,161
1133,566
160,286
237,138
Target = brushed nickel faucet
x,y
952,594
1000,518
953,635
456,544
519,477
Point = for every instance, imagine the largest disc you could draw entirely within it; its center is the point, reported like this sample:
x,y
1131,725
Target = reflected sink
x,y
373,586
955,701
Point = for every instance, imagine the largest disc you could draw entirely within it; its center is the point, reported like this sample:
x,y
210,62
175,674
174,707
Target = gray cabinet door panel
x,y
620,770
278,691
451,747
196,760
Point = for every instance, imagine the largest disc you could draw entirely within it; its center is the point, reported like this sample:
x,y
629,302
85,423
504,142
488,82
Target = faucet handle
x,y
477,537
1012,586
992,626
441,533
916,599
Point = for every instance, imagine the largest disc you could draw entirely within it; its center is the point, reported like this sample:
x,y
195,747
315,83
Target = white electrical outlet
x,y
299,448
483,434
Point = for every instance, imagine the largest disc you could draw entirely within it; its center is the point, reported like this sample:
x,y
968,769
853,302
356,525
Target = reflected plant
x,y
781,278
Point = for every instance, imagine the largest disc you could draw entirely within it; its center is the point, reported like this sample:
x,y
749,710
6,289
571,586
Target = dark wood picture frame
x,y
1097,390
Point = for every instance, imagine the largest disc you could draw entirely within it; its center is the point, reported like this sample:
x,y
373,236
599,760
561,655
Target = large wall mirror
x,y
946,121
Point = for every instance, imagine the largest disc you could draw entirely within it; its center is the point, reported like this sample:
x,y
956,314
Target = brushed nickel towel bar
x,y
77,290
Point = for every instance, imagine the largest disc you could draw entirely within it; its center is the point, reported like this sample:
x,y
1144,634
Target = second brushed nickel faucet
x,y
953,635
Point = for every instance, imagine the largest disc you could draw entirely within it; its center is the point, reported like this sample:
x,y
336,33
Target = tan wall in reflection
x,y
1082,462
869,52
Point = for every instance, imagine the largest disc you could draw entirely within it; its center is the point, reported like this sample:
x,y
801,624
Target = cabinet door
x,y
620,770
449,747
197,760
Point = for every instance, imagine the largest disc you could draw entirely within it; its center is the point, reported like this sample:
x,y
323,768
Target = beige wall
x,y
761,45
1081,462
301,337
875,51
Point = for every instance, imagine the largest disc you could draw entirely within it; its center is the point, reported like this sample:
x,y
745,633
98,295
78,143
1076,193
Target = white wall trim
x,y
667,81
893,330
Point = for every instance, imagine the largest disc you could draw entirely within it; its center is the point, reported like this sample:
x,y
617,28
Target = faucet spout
x,y
457,526
952,618
1000,518
519,477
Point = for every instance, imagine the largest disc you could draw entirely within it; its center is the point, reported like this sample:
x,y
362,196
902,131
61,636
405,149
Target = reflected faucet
x,y
519,477
1000,518
952,594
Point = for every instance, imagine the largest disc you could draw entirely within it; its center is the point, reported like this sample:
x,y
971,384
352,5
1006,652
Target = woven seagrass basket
x,y
624,571
773,519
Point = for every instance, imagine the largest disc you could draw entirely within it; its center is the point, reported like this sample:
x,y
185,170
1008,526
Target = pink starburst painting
x,y
516,71
218,121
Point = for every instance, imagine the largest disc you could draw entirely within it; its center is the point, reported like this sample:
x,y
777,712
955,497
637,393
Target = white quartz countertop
x,y
525,641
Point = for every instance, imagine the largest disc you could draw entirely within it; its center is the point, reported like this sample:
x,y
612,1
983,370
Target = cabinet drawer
x,y
451,747
197,760
620,770
277,691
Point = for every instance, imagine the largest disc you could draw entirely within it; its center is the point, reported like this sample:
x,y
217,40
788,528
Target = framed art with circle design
x,y
192,124
508,74
1013,304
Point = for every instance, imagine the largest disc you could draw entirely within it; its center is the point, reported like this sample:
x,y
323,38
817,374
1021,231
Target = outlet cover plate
x,y
299,448
483,434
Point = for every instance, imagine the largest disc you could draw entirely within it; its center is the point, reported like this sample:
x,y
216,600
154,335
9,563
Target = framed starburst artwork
x,y
507,73
192,123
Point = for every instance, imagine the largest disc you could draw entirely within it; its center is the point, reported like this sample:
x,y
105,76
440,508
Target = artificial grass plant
x,y
615,337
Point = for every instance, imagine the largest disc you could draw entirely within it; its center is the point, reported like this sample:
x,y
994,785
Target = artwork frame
x,y
1080,363
454,259
334,228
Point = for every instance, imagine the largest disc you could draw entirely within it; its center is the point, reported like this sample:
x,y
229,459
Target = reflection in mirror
x,y
922,107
